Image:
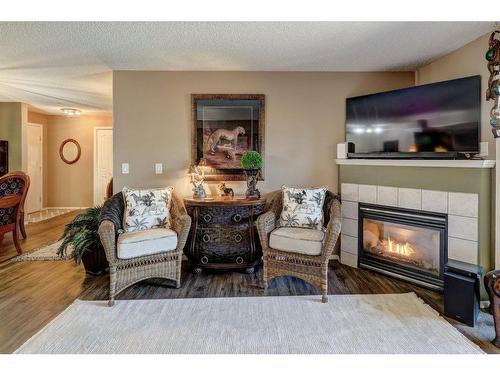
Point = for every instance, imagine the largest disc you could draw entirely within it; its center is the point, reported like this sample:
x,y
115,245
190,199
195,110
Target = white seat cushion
x,y
145,242
297,240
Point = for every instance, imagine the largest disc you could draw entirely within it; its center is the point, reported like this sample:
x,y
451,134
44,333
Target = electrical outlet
x,y
158,168
125,168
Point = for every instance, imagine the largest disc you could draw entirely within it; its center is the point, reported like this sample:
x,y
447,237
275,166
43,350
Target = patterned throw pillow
x,y
302,207
146,208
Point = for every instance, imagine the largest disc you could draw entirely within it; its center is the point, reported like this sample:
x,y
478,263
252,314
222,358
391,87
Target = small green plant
x,y
81,234
251,160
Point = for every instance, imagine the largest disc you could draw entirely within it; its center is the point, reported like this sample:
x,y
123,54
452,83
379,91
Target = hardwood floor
x,y
34,293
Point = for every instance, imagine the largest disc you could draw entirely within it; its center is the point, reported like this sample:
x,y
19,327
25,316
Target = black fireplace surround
x,y
407,244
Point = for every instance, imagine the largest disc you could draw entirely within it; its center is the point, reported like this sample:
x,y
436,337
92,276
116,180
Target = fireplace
x,y
408,244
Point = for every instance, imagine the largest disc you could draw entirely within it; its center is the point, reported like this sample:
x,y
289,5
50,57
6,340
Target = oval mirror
x,y
70,151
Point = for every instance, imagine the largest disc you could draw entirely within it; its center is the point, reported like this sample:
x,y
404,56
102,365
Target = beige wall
x,y
72,185
68,185
305,116
466,61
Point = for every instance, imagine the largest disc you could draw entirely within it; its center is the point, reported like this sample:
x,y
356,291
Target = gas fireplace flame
x,y
395,247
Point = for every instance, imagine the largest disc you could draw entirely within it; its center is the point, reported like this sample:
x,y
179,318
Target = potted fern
x,y
251,161
82,239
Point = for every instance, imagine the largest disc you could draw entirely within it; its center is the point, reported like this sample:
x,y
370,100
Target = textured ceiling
x,y
54,65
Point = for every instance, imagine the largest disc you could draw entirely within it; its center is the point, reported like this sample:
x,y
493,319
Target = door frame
x,y
96,129
41,159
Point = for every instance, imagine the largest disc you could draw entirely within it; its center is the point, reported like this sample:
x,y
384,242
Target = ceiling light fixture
x,y
71,112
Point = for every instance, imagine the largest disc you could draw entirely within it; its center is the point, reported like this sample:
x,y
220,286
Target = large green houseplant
x,y
81,237
251,162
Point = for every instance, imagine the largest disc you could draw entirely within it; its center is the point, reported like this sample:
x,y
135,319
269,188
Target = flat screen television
x,y
438,120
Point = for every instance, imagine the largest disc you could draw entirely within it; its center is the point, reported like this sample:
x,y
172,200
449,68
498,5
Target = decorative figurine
x,y
493,91
197,174
225,191
251,161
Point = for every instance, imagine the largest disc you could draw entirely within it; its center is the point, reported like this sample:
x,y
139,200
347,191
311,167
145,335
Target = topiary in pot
x,y
251,161
81,236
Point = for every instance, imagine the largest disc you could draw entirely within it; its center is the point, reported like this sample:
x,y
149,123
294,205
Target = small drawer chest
x,y
223,232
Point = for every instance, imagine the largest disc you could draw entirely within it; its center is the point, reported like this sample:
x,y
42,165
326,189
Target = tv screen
x,y
436,120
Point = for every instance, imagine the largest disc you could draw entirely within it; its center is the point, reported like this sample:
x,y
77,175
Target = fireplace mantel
x,y
419,163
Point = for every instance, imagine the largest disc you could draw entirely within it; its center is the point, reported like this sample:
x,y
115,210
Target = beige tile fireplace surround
x,y
460,189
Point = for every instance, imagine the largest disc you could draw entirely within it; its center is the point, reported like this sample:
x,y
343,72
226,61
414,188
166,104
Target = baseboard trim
x,y
64,208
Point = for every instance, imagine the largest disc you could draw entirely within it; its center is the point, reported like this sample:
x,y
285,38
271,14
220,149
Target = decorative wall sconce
x,y
493,91
197,173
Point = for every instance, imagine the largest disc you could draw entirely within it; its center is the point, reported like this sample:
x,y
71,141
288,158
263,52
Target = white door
x,y
103,162
35,157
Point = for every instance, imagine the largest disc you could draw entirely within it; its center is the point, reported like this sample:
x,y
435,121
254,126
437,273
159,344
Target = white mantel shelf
x,y
419,163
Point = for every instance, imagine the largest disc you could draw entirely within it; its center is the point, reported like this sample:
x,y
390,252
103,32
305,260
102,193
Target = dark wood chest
x,y
223,232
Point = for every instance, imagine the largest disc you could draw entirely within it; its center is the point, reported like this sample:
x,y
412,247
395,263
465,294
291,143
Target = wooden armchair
x,y
13,190
133,261
311,264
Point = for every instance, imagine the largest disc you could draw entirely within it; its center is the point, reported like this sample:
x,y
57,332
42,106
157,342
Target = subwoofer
x,y
461,291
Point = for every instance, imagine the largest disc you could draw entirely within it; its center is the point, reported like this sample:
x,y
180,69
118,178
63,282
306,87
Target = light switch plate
x,y
158,168
125,168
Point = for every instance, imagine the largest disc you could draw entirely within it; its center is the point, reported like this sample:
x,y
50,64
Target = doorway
x,y
103,162
35,167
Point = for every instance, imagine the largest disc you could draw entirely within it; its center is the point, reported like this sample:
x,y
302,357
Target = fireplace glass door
x,y
405,242
411,245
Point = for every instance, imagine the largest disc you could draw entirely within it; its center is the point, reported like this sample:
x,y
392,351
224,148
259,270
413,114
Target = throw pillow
x,y
146,208
302,207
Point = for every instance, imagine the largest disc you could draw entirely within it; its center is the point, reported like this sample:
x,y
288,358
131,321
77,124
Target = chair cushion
x,y
297,240
146,242
146,208
302,207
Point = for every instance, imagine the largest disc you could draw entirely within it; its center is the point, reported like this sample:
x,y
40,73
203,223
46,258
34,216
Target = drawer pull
x,y
237,218
207,218
206,238
239,260
204,260
238,238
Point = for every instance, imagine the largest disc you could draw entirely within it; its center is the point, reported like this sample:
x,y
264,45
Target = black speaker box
x,y
461,291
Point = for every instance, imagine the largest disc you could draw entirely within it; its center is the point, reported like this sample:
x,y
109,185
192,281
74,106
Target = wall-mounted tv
x,y
438,120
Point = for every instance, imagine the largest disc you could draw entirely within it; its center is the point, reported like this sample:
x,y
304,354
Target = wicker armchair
x,y
13,190
310,268
125,272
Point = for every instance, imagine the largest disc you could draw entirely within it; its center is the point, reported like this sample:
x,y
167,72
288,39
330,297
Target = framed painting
x,y
224,127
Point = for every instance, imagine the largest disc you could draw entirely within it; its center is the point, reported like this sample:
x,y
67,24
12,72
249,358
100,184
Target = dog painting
x,y
225,127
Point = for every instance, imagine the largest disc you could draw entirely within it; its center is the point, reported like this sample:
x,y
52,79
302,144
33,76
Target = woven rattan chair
x,y
310,268
125,272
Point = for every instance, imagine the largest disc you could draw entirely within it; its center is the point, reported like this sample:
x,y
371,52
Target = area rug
x,y
47,252
391,323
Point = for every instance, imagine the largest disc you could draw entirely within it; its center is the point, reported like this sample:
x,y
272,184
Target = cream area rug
x,y
48,252
391,323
